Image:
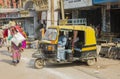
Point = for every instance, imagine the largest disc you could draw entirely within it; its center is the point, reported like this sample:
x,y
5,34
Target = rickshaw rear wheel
x,y
91,62
39,63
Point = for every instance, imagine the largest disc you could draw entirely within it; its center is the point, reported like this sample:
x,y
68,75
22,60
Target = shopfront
x,y
115,20
27,21
77,9
44,6
24,18
8,14
110,14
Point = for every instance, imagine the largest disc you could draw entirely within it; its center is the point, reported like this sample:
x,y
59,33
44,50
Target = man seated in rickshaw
x,y
61,47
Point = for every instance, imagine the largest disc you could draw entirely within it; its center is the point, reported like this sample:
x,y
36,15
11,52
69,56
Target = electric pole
x,y
62,9
52,12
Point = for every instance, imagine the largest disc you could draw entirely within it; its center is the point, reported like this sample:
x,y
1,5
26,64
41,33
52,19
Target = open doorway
x,y
115,20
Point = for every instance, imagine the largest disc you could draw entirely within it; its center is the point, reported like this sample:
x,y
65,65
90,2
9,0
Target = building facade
x,y
14,10
110,14
11,3
31,13
41,10
105,13
78,9
9,10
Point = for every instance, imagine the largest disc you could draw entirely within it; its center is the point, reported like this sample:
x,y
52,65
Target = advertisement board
x,y
69,4
104,1
41,5
9,15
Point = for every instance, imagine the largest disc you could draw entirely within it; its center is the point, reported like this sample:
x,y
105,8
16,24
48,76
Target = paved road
x,y
26,70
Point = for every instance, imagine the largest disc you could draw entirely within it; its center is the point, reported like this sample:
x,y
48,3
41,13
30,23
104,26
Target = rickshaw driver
x,y
61,47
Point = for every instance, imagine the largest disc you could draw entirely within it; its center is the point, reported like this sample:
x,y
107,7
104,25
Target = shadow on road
x,y
63,65
7,61
57,65
5,53
31,64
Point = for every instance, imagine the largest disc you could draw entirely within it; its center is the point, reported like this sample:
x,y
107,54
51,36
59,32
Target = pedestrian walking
x,y
15,49
16,44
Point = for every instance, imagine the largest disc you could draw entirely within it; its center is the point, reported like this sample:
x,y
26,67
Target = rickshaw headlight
x,y
51,48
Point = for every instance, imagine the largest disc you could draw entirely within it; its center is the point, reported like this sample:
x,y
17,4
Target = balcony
x,y
80,21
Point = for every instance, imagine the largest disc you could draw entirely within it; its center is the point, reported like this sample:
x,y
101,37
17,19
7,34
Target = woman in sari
x,y
15,49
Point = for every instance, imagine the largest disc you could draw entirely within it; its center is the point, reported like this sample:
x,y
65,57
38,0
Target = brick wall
x,y
9,3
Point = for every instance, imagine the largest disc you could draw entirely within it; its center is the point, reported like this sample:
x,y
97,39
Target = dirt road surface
x,y
103,69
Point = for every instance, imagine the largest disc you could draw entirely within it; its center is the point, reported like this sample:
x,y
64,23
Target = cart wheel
x,y
39,63
91,62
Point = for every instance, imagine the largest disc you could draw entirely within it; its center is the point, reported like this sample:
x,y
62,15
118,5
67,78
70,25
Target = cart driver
x,y
61,47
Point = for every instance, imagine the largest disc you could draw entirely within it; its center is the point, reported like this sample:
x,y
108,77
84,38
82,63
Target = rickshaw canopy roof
x,y
73,27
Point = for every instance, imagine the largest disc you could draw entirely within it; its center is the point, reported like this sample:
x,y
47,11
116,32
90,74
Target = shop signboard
x,y
104,1
9,15
24,13
69,4
2,15
41,5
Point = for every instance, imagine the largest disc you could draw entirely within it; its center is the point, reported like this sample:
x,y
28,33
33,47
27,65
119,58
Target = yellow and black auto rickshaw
x,y
84,50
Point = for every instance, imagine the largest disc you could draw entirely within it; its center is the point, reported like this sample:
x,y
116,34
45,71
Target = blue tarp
x,y
104,1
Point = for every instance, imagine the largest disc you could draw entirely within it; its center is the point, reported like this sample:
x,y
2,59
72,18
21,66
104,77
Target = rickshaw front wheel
x,y
39,63
91,62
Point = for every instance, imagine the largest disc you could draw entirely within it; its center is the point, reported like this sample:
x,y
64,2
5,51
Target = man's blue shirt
x,y
62,41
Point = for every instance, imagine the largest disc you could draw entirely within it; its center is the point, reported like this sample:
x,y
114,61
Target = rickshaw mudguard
x,y
87,55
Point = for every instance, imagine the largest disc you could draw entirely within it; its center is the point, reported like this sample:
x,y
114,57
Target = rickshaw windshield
x,y
50,34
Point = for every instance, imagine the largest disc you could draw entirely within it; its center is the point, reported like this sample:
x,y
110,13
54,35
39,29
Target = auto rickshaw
x,y
84,50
